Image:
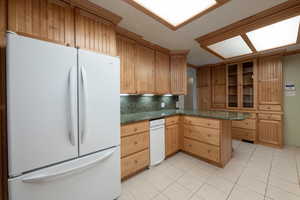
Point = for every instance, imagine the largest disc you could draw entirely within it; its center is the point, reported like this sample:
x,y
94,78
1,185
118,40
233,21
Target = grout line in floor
x,y
269,174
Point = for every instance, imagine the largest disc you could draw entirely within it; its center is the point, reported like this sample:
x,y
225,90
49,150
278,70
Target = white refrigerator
x,y
63,122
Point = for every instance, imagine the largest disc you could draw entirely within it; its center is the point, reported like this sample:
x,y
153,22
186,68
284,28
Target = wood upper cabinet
x,y
270,132
126,50
162,73
172,139
270,83
50,20
145,70
95,33
178,74
204,88
242,85
218,86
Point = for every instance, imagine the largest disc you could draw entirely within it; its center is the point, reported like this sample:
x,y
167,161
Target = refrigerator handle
x,y
72,88
63,173
84,105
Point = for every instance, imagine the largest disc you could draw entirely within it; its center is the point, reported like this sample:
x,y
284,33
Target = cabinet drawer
x,y
270,117
247,124
134,143
131,129
134,163
172,120
209,123
207,135
270,107
243,134
202,150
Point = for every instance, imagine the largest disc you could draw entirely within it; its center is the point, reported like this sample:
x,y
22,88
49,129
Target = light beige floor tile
x,y
160,197
142,190
126,196
278,194
177,192
241,193
252,183
285,175
191,182
208,192
161,182
222,184
285,185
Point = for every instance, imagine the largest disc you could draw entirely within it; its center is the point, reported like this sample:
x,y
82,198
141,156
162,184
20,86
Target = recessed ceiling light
x,y
176,12
276,35
232,47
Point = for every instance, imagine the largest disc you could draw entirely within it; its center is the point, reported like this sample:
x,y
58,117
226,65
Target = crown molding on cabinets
x,y
180,52
96,9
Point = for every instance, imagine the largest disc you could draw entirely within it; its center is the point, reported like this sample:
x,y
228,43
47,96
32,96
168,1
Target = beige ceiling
x,y
184,38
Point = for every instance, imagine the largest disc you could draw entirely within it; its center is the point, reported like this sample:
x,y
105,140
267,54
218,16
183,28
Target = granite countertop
x,y
222,115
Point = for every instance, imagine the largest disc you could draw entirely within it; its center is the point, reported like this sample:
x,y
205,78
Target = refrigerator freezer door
x,y
42,103
99,101
94,177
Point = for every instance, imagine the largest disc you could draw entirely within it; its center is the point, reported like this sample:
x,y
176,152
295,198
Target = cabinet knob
x,y
208,135
135,161
135,129
208,151
135,142
190,145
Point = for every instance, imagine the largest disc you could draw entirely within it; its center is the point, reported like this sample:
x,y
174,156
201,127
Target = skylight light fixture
x,y
176,12
275,35
232,47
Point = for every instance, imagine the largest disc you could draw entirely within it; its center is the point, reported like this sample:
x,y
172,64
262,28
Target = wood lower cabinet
x,y
162,73
95,33
126,50
270,130
178,74
50,20
218,84
145,70
172,139
135,143
209,139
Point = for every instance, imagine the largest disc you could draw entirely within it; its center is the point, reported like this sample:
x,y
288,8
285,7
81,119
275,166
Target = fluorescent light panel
x,y
176,12
276,35
232,47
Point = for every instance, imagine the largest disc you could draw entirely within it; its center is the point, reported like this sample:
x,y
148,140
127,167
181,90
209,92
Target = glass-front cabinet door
x,y
247,84
232,86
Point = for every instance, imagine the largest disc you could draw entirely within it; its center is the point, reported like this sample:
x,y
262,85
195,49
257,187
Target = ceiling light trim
x,y
150,13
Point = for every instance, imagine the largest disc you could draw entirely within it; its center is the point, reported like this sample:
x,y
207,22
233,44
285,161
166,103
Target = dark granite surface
x,y
222,115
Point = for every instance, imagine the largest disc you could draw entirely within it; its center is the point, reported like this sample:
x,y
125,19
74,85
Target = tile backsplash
x,y
140,103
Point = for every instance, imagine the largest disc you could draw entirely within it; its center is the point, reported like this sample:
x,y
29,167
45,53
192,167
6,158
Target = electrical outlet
x,y
163,104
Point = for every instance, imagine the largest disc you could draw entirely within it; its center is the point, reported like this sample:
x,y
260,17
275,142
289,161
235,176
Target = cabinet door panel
x,y
270,132
219,87
126,49
51,20
145,70
204,88
162,73
178,74
270,81
172,139
94,33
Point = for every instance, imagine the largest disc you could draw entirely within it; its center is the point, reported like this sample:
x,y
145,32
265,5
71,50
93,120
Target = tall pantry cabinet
x,y
270,101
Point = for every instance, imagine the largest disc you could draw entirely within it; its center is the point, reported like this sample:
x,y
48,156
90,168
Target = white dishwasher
x,y
157,141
